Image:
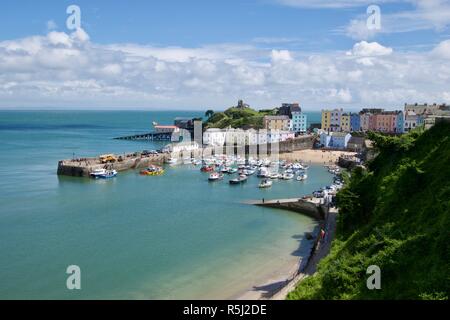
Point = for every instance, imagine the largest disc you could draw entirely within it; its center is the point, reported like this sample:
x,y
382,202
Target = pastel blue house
x,y
299,122
335,140
400,124
355,122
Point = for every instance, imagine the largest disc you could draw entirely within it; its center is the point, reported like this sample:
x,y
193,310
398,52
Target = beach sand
x,y
315,156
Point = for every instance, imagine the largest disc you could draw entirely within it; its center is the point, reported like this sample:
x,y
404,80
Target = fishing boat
x,y
172,161
103,174
152,171
302,177
232,170
262,172
207,169
265,184
274,175
215,176
248,172
287,176
241,179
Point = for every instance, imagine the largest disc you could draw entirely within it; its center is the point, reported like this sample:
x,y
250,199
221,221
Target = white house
x,y
411,121
214,137
336,140
181,146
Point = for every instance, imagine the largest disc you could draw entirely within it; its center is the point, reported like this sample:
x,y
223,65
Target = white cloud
x,y
281,55
62,69
442,50
369,49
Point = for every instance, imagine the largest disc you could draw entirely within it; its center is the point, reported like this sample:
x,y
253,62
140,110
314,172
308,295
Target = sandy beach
x,y
315,156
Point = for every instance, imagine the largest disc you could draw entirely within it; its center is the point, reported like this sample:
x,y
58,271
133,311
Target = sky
x,y
203,54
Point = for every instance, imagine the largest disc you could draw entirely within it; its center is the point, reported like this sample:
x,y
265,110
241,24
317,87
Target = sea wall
x,y
83,167
312,208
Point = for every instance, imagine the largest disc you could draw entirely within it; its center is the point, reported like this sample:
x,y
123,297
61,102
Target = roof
x,y
276,117
166,127
357,140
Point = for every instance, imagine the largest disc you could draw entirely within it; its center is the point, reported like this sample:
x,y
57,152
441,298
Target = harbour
x,y
180,235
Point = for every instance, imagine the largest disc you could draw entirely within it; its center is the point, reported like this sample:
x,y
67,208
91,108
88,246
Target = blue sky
x,y
185,49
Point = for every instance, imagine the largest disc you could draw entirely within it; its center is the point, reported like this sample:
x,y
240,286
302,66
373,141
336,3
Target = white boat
x,y
274,175
265,184
302,177
172,161
288,176
103,174
262,172
215,176
241,179
232,170
248,172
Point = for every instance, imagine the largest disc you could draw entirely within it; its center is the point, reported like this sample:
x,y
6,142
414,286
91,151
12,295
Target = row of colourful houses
x,y
375,119
289,118
366,120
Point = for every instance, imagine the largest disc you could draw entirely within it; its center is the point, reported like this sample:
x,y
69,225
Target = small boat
x,y
103,174
241,179
287,176
262,172
248,172
152,171
302,177
207,169
273,176
215,176
232,170
172,161
265,184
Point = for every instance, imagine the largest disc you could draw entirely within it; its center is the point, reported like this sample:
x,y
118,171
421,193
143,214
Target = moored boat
x,y
265,184
152,171
215,176
287,176
241,179
103,174
207,168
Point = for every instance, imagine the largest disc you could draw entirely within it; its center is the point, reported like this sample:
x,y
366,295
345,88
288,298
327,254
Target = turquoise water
x,y
134,237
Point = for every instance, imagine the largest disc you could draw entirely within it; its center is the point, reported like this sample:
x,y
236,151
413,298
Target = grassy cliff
x,y
238,118
395,215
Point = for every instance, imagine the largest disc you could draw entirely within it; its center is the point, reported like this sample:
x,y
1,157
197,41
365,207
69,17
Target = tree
x,y
209,113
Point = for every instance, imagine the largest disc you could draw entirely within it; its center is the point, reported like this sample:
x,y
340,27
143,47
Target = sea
x,y
175,236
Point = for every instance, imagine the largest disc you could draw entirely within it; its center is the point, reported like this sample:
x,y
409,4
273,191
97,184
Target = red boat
x,y
207,169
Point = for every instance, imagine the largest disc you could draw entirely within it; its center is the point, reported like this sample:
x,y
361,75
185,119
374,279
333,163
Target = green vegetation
x,y
395,215
237,118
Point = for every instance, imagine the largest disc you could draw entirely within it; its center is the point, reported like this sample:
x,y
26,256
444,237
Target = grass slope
x,y
238,118
395,215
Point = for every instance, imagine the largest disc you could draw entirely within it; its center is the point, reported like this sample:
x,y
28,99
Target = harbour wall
x,y
83,167
308,206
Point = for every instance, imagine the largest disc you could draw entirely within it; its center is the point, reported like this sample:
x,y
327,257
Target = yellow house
x,y
326,119
281,123
345,122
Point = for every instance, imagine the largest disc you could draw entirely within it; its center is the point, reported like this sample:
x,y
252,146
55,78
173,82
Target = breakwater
x,y
84,166
310,206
